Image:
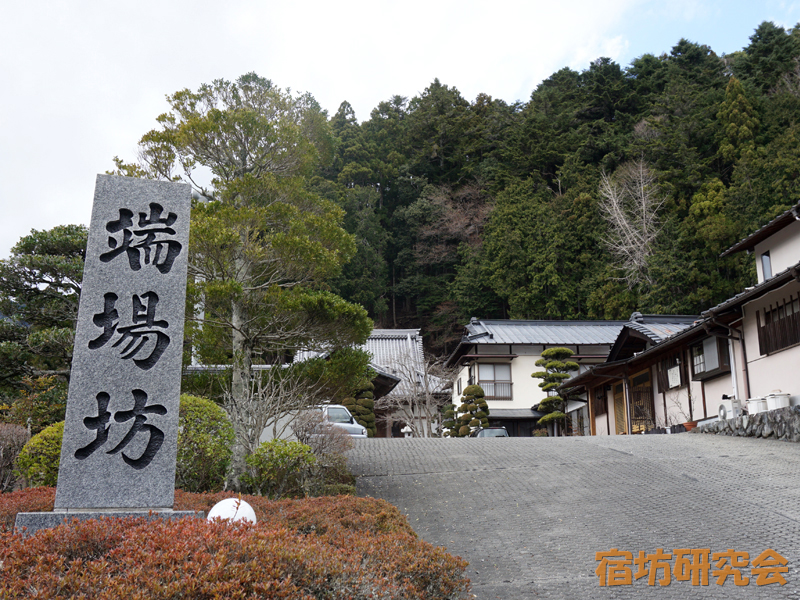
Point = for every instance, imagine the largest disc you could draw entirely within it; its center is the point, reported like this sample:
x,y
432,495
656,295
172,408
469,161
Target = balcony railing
x,y
496,390
779,334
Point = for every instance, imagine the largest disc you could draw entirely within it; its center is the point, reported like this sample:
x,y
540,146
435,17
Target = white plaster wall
x,y
714,391
778,371
677,401
463,377
525,389
601,426
658,399
783,247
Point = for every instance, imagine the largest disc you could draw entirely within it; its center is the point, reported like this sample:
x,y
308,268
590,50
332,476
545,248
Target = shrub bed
x,y
320,548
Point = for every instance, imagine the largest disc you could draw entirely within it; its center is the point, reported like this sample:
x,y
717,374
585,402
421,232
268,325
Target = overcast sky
x,y
83,80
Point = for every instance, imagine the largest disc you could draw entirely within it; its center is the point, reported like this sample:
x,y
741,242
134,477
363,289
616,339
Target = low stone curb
x,y
780,424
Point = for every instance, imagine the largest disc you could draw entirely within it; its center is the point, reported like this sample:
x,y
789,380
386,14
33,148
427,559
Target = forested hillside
x,y
610,190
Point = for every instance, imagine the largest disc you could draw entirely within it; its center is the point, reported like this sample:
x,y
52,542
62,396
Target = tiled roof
x,y
542,332
756,291
388,346
658,332
391,350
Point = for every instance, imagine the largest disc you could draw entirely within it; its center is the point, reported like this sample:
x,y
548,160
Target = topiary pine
x,y
471,414
362,407
557,369
448,420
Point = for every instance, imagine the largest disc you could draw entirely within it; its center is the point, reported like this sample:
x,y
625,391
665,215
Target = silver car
x,y
338,416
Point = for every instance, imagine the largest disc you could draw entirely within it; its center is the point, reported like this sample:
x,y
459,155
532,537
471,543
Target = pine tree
x,y
557,369
473,413
362,407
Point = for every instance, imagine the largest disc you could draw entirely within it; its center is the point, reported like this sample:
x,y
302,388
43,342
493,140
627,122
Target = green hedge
x,y
205,437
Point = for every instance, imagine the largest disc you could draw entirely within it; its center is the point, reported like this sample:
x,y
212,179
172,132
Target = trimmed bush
x,y
12,439
280,469
38,460
473,412
205,436
39,499
323,548
205,439
42,403
362,407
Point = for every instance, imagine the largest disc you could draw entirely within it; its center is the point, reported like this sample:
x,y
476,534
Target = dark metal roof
x,y
514,413
767,230
547,333
653,328
542,332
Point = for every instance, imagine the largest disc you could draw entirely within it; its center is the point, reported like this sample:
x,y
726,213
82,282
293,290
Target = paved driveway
x,y
530,513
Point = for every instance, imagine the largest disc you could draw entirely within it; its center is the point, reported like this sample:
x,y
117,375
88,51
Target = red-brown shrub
x,y
39,499
329,547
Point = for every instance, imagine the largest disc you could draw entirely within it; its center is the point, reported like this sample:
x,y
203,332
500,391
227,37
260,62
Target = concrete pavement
x,y
529,514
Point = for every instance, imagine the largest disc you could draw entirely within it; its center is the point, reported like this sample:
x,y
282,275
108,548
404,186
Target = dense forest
x,y
610,190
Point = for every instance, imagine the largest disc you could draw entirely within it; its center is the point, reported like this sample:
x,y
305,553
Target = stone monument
x,y
121,429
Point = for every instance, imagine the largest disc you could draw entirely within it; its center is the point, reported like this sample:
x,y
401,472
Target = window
x,y
495,379
459,386
710,358
670,374
779,325
698,359
766,266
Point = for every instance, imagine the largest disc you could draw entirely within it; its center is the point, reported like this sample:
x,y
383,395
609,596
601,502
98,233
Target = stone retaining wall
x,y
780,424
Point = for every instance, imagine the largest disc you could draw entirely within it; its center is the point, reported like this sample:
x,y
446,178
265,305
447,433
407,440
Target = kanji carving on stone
x,y
149,243
100,424
145,328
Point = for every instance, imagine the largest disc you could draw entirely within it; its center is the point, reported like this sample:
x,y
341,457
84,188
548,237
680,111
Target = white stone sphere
x,y
232,509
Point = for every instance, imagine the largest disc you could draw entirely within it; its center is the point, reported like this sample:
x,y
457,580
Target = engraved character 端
x,y
148,239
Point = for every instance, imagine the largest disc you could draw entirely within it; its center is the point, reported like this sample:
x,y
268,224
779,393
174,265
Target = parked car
x,y
338,416
490,432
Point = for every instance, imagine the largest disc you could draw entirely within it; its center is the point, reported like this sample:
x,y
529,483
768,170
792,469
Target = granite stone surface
x,y
30,523
120,434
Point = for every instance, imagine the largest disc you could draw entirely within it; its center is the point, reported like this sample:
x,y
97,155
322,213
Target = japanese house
x,y
746,348
501,355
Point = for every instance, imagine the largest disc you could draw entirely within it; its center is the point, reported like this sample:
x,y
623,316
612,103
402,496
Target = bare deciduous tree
x,y
324,438
456,217
274,394
629,202
424,388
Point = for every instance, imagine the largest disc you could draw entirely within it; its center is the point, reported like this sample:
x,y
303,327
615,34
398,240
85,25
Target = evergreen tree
x,y
40,285
471,414
739,123
557,369
362,407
